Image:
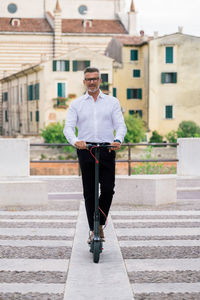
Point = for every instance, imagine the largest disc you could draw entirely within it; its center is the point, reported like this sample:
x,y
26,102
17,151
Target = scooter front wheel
x,y
96,251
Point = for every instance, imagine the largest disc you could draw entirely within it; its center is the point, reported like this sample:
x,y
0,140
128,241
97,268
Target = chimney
x,y
57,29
132,20
180,29
155,34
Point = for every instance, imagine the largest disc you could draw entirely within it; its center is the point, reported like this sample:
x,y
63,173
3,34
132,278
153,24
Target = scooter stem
x,y
96,214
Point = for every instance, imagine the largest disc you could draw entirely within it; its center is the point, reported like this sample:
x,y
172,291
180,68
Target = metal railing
x,y
129,160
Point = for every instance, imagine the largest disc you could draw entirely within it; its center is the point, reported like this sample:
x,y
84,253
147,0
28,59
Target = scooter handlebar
x,y
89,146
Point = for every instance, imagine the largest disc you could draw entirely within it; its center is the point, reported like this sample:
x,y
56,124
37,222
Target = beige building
x,y
32,31
41,94
130,73
174,76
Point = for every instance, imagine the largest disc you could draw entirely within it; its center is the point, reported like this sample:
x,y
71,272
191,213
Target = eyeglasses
x,y
92,79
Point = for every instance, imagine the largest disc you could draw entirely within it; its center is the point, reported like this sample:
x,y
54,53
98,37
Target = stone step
x,y
167,268
188,181
35,268
188,193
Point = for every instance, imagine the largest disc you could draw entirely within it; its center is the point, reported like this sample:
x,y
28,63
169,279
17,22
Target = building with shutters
x,y
40,95
39,30
157,78
174,73
131,73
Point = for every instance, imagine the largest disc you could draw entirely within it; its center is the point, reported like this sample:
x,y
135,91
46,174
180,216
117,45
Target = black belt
x,y
97,143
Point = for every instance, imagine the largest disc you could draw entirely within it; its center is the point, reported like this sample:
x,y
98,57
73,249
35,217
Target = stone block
x,y
145,189
14,157
23,193
188,154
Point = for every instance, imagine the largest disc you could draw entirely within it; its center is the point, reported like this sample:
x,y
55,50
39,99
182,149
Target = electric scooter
x,y
96,245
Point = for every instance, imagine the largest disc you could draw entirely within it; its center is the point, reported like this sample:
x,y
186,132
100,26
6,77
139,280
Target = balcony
x,y
60,102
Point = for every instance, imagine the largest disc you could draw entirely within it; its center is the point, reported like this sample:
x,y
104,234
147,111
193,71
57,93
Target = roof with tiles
x,y
97,26
68,26
26,25
133,40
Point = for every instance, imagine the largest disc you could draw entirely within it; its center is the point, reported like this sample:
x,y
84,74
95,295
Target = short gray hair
x,y
91,70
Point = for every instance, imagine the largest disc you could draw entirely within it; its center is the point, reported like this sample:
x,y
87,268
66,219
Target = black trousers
x,y
106,180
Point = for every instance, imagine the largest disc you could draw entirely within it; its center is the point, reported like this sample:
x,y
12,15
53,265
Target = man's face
x,y
92,82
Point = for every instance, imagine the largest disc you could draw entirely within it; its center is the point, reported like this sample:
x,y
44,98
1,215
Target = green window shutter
x,y
169,55
61,89
37,91
31,116
168,112
134,54
174,80
30,92
87,63
66,65
136,73
128,92
59,92
75,65
54,65
114,92
131,112
162,77
139,93
140,113
5,96
37,116
6,116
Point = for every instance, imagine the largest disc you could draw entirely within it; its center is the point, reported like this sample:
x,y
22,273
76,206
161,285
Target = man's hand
x,y
80,145
116,146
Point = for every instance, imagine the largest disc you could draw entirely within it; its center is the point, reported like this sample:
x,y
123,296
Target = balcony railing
x,y
60,102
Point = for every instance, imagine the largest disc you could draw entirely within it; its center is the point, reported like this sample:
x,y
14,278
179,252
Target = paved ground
x,y
157,252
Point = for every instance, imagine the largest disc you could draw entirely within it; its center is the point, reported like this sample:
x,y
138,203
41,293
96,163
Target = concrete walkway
x,y
106,280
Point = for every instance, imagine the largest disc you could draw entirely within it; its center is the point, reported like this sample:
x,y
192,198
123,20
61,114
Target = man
x,y
96,116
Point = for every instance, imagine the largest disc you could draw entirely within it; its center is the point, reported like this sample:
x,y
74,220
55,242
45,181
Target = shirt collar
x,y
87,96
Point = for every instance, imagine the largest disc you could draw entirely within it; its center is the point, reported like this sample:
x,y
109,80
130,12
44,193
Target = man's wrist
x,y
117,141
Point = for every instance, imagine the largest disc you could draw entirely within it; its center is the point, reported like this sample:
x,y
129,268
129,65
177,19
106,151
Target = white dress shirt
x,y
95,120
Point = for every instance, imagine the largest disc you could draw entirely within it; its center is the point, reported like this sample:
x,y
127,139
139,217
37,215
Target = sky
x,y
164,16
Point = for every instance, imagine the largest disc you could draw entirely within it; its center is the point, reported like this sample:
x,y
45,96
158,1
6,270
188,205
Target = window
x,y
134,54
31,116
61,89
168,112
136,73
61,65
37,116
12,8
169,55
104,84
37,91
169,77
134,93
114,92
21,94
80,65
6,116
5,96
30,92
135,112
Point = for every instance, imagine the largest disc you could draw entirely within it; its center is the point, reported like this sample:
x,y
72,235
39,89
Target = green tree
x,y
188,129
135,129
156,137
172,136
53,133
